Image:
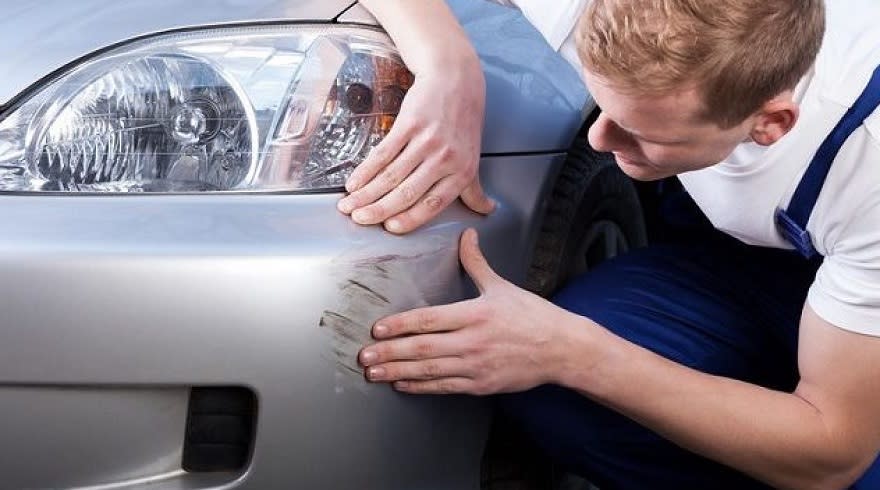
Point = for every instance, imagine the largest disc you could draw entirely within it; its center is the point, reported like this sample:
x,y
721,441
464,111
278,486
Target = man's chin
x,y
637,170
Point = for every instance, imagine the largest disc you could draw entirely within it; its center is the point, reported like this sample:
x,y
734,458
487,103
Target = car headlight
x,y
292,108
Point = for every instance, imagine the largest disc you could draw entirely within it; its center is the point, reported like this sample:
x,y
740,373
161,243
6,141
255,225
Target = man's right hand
x,y
431,155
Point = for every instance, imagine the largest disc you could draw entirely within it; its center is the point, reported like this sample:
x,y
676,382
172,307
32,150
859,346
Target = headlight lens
x,y
258,109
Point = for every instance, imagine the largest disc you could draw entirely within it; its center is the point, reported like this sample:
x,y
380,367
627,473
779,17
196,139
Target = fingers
x,y
430,205
445,386
443,367
412,349
413,205
380,156
403,197
433,319
474,262
474,198
394,177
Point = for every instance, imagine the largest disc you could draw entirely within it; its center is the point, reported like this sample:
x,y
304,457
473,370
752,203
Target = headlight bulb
x,y
195,121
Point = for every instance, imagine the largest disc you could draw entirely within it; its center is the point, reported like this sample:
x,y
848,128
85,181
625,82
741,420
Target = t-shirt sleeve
x,y
554,19
846,291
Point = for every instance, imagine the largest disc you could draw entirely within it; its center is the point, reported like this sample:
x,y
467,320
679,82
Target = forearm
x,y
780,438
425,31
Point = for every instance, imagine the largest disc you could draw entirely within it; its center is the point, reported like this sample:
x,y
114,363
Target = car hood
x,y
38,38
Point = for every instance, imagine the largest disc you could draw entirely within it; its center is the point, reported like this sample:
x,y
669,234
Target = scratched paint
x,y
372,287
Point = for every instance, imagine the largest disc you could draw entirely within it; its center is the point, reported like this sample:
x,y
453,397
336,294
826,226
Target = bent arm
x,y
425,31
824,435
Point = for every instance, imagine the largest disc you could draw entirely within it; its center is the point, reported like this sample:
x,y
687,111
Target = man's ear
x,y
775,119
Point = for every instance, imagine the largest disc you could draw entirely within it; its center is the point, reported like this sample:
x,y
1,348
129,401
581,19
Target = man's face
x,y
653,137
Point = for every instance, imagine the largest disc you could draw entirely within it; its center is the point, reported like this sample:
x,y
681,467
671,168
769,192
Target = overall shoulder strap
x,y
792,223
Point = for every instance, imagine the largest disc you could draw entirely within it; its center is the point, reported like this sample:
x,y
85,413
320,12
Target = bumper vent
x,y
219,429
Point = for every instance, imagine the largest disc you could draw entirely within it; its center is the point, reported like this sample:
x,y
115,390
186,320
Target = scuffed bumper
x,y
272,292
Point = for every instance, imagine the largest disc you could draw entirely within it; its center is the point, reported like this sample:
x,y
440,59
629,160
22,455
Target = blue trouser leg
x,y
715,305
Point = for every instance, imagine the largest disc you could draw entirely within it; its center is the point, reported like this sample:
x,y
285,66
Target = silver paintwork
x,y
357,14
113,301
42,423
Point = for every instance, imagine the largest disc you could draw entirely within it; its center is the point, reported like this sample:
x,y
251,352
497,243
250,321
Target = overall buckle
x,y
795,235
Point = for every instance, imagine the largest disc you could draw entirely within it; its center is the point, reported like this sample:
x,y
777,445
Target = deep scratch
x,y
340,324
368,289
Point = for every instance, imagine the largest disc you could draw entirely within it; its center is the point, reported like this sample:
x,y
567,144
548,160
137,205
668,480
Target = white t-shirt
x,y
555,20
741,194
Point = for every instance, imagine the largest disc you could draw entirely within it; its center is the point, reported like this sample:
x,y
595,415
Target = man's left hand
x,y
505,340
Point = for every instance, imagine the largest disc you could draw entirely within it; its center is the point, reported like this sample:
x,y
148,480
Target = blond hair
x,y
738,54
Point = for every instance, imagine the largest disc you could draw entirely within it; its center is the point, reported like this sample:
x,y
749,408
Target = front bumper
x,y
113,307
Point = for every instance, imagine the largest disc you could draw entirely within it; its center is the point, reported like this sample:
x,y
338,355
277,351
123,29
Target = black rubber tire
x,y
593,205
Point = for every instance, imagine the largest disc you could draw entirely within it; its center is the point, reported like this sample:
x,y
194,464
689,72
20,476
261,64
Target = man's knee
x,y
567,427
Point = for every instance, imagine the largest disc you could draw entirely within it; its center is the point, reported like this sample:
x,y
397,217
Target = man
x,y
722,362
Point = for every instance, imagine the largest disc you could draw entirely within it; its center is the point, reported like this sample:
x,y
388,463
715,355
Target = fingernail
x,y
344,206
380,330
360,216
393,225
400,385
352,185
375,373
368,357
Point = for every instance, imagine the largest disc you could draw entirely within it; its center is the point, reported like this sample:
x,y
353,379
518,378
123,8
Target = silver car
x,y
181,302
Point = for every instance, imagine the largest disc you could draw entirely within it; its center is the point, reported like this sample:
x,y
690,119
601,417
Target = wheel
x,y
593,214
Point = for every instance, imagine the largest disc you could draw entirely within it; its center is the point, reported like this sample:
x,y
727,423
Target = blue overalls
x,y
704,300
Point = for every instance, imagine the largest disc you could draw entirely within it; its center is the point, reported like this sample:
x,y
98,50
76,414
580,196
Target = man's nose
x,y
605,136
